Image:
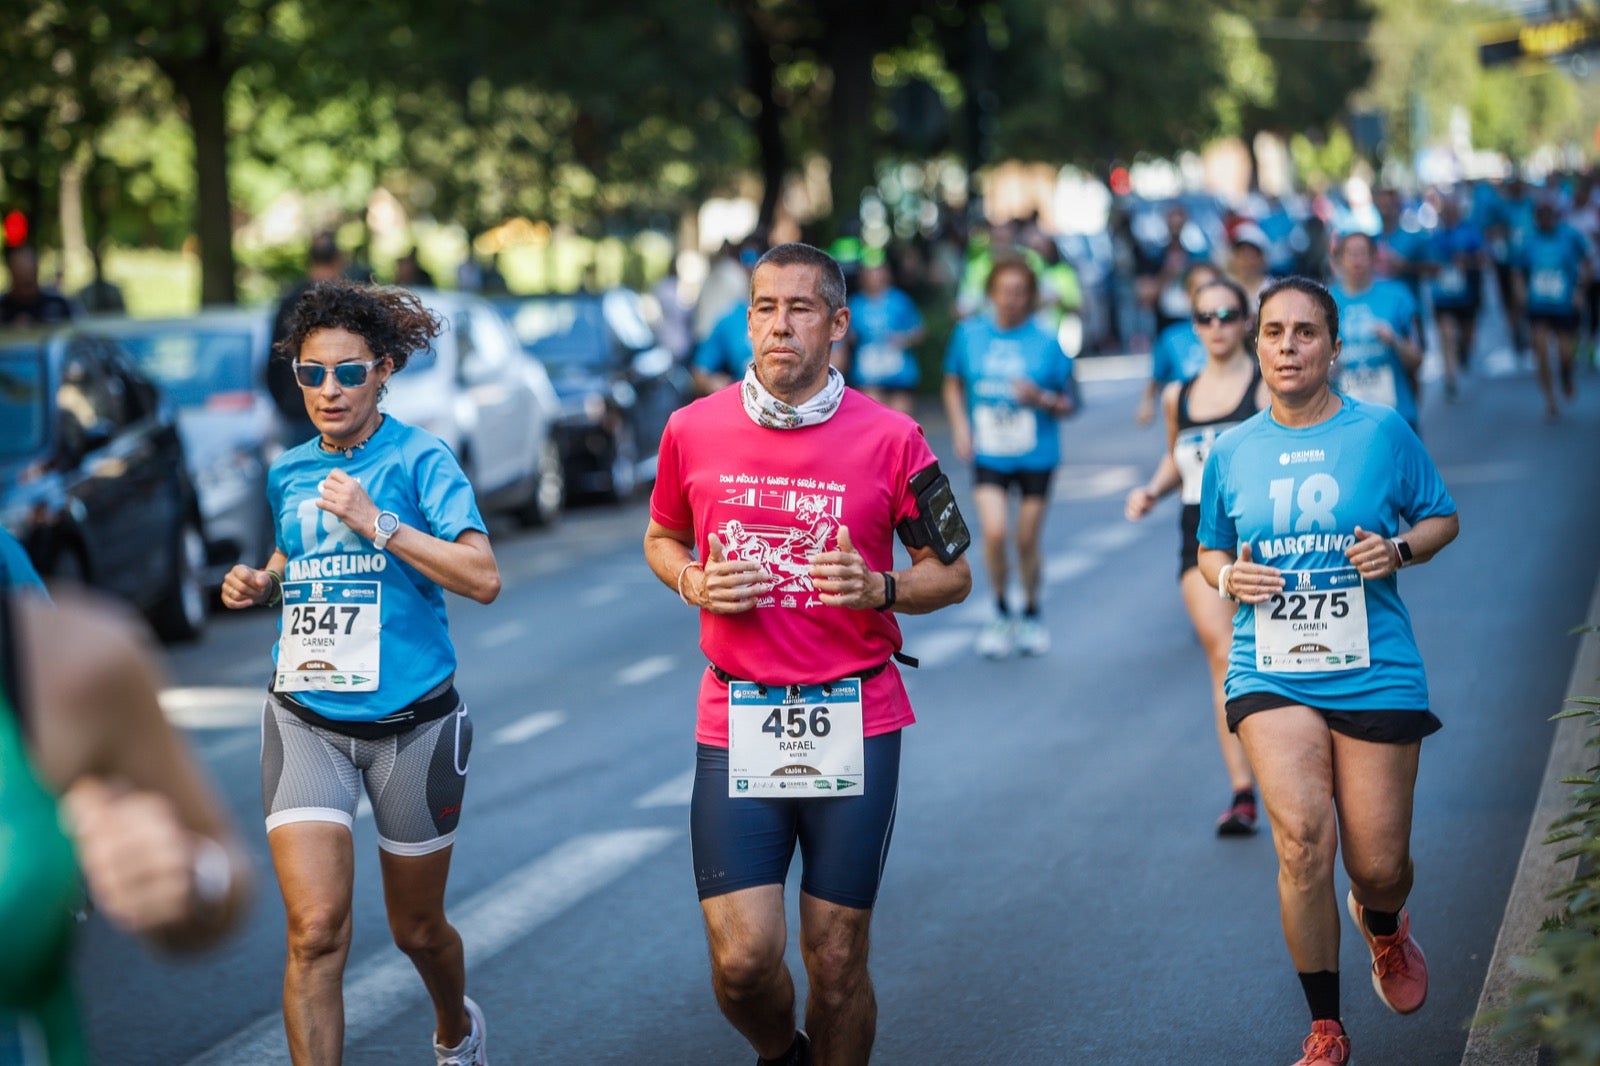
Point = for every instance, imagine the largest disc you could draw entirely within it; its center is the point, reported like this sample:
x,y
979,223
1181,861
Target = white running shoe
x,y
1032,637
995,640
474,1050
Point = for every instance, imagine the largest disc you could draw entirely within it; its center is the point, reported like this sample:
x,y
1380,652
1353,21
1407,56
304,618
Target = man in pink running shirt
x,y
789,488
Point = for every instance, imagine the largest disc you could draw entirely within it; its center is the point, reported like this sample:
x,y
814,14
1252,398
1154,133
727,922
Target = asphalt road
x,y
1055,893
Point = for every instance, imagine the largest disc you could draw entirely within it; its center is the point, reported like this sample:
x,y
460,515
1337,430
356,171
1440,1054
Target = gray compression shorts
x,y
414,779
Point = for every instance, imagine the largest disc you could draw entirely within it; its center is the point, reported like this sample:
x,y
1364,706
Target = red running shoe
x,y
1399,972
1326,1046
1239,820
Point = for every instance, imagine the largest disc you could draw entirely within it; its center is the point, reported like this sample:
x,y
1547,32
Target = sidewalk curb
x,y
1538,872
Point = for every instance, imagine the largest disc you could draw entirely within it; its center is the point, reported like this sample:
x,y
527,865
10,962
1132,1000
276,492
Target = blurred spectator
x,y
988,246
1400,249
726,284
27,303
410,273
95,784
100,296
676,326
326,262
1161,272
1247,261
721,358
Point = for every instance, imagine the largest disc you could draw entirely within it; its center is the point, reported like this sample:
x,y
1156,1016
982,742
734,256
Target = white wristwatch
x,y
383,528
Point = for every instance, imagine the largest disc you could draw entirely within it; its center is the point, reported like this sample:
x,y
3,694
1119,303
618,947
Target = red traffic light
x,y
16,228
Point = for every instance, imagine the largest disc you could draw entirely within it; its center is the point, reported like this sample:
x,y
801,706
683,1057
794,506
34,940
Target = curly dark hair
x,y
393,322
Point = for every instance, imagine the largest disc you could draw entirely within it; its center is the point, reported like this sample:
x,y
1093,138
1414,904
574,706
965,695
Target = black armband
x,y
938,523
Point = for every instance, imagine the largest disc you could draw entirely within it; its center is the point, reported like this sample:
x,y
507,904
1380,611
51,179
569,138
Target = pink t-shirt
x,y
779,496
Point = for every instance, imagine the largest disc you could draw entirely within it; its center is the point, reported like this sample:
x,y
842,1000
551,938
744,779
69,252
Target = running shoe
x,y
1032,637
995,640
1399,972
474,1050
1239,820
1326,1046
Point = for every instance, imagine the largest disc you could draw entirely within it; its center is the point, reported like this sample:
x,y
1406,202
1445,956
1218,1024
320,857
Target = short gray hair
x,y
830,276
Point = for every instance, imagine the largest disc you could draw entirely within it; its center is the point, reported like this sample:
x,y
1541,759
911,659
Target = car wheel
x,y
624,463
549,489
181,613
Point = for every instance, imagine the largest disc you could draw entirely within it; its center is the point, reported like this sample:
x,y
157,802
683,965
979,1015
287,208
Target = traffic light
x,y
16,228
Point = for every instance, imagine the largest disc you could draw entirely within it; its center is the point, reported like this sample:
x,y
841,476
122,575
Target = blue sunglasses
x,y
349,375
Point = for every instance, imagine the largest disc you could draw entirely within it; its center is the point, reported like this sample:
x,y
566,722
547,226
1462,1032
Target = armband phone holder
x,y
938,523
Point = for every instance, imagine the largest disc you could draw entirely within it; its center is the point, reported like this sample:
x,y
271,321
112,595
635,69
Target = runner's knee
x,y
316,932
420,934
742,970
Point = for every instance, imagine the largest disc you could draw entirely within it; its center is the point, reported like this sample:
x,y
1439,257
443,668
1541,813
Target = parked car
x,y
617,383
213,367
93,479
473,389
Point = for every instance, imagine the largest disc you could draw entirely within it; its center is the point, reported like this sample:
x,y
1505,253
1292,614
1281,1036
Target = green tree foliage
x,y
1150,77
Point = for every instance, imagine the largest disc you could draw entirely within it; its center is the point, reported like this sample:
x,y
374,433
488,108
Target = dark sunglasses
x,y
349,375
1221,314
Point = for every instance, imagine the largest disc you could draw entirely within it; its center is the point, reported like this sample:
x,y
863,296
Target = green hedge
x,y
1556,1004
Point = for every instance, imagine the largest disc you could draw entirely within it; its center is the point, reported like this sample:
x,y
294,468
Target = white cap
x,y
1250,233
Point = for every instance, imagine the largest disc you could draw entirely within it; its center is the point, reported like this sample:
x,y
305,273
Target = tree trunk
x,y
202,82
848,43
760,72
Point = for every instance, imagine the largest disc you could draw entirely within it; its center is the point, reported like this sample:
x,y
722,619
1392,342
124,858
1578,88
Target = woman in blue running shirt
x,y
374,523
1303,512
1227,391
1007,383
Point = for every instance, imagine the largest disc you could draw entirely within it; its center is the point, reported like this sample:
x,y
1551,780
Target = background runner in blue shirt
x,y
1455,256
1552,265
1301,521
1007,383
1178,353
721,358
1378,320
374,520
884,326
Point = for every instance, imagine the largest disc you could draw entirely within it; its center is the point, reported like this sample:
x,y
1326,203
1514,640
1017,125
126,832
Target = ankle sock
x,y
1322,994
795,1056
1381,923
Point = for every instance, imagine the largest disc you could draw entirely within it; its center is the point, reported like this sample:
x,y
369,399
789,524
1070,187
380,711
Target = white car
x,y
495,409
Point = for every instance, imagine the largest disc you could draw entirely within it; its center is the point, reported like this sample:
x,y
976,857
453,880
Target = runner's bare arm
x,y
720,585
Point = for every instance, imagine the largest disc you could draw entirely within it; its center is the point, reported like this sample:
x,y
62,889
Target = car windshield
x,y
190,364
22,394
560,331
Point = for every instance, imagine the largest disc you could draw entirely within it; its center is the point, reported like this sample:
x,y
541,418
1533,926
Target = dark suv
x,y
92,476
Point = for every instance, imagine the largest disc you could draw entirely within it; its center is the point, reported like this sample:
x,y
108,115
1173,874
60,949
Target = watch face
x,y
388,522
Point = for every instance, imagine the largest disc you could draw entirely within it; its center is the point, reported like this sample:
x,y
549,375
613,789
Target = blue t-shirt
x,y
412,473
874,319
727,349
16,568
1367,368
1296,496
1516,215
1456,251
1553,262
1178,354
1007,436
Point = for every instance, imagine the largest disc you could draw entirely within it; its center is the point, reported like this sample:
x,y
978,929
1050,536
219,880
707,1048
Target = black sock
x,y
1381,923
795,1056
1031,611
1322,994
1000,605
1244,795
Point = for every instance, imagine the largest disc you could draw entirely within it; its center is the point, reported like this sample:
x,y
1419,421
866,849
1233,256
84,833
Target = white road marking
x,y
528,727
1068,565
501,635
213,707
383,986
645,670
601,595
674,792
1093,482
940,646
